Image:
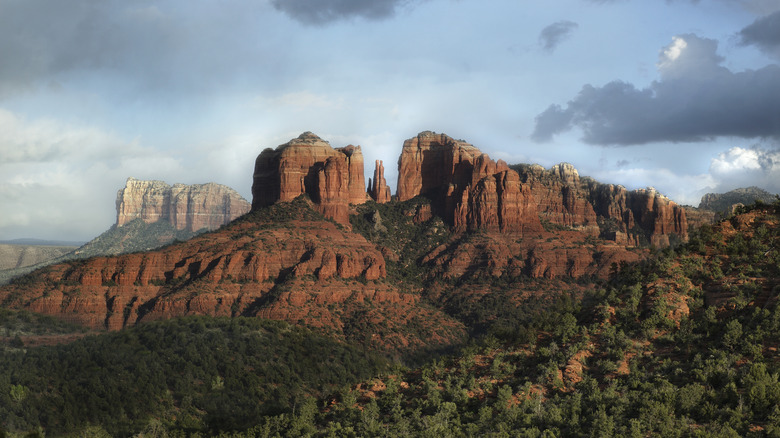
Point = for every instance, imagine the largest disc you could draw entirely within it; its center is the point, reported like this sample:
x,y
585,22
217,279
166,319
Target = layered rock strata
x,y
333,178
610,211
186,207
466,188
221,273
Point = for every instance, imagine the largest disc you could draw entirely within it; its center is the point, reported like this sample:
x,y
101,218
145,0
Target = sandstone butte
x,y
297,268
186,207
333,178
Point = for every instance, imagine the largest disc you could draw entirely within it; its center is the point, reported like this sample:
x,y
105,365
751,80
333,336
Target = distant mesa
x,y
191,208
149,214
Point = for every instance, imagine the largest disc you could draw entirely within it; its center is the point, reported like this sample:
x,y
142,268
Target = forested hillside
x,y
681,344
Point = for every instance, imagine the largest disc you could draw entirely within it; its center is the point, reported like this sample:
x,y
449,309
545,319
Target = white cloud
x,y
736,159
60,181
301,100
742,167
672,52
45,140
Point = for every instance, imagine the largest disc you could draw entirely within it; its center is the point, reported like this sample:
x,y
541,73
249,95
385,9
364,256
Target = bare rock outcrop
x,y
466,188
234,265
186,207
333,178
610,211
377,188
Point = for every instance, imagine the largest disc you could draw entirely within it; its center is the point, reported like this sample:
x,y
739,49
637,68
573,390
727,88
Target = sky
x,y
680,95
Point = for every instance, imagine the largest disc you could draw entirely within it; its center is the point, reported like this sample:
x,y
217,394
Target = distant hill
x,y
20,255
43,242
725,202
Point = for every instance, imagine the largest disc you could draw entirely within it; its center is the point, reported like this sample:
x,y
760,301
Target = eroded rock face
x,y
605,210
468,189
561,255
186,207
333,178
233,266
377,188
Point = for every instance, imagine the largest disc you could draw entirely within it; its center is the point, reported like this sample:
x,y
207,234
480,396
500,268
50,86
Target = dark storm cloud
x,y
695,99
764,33
327,11
554,34
163,45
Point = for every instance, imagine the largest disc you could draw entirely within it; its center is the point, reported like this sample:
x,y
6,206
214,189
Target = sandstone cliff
x,y
186,207
466,188
609,211
333,178
282,262
239,263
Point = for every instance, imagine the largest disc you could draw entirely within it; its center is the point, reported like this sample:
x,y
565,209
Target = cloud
x,y
751,166
551,36
59,180
167,46
42,141
327,11
695,99
301,100
682,188
764,33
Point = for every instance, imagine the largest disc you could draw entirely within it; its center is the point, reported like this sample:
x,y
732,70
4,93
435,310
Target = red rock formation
x,y
560,199
333,178
468,189
239,263
605,210
378,189
563,254
186,207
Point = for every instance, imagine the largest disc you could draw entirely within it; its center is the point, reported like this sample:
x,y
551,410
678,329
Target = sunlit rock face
x,y
332,177
466,188
187,207
377,188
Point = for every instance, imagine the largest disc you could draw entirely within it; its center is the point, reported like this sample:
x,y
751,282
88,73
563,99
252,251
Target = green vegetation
x,y
134,236
190,374
299,209
15,324
400,235
682,344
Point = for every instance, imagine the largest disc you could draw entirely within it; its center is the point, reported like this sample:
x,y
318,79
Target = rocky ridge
x,y
186,207
460,217
608,211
